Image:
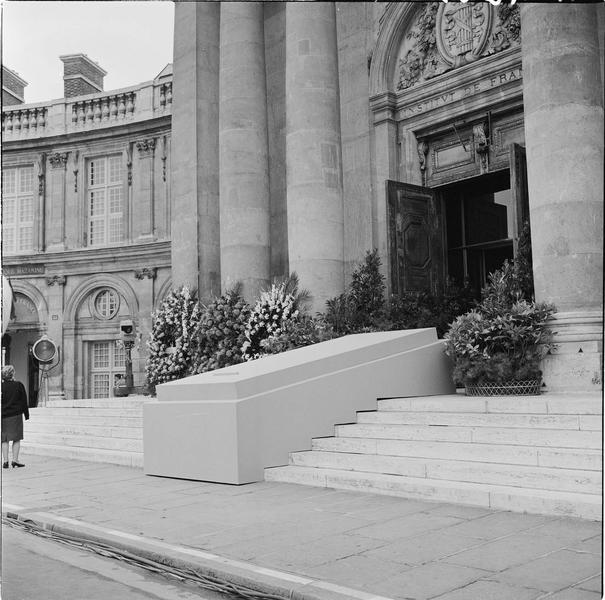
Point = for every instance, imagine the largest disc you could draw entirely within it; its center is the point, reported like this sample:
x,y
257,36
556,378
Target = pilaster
x,y
55,205
143,199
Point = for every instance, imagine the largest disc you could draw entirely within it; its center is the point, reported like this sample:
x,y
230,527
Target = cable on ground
x,y
109,551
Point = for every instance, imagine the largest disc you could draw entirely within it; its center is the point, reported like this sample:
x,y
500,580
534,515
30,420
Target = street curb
x,y
288,586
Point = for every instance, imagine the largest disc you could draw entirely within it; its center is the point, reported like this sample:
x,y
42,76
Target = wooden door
x,y
416,238
519,191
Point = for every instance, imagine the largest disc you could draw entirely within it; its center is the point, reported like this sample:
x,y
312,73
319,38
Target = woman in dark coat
x,y
14,405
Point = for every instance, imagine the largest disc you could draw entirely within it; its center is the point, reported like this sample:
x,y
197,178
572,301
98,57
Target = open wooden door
x,y
416,238
519,190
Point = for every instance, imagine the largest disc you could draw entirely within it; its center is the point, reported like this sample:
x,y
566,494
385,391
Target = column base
x,y
577,362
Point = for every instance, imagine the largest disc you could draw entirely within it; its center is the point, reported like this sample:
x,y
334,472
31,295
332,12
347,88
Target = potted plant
x,y
497,347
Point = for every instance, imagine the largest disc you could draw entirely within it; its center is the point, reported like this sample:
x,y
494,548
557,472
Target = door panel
x,y
416,240
518,186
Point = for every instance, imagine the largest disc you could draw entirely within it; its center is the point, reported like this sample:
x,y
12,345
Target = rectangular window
x,y
107,359
18,210
105,195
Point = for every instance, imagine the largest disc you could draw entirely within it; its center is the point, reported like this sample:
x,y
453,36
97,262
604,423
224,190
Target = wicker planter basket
x,y
512,388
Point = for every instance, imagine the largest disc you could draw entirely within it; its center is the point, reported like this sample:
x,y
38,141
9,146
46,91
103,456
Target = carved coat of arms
x,y
448,35
462,31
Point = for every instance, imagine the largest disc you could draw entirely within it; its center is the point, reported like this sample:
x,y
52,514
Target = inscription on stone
x,y
23,270
462,92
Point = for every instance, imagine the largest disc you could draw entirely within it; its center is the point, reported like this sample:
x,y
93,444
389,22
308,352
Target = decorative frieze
x,y
76,157
145,273
58,160
58,279
449,35
129,163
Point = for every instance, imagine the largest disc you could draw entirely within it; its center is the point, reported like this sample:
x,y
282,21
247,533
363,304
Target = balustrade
x,y
22,121
86,112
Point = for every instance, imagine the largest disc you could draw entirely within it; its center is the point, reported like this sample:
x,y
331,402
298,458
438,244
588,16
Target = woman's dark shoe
x,y
5,465
16,464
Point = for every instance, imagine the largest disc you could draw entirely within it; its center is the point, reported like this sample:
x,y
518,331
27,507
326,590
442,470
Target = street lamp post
x,y
128,337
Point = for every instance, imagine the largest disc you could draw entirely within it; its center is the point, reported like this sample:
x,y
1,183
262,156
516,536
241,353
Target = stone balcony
x,y
85,113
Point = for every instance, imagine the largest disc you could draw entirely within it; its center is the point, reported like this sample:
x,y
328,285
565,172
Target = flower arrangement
x,y
220,332
297,333
171,342
274,308
503,339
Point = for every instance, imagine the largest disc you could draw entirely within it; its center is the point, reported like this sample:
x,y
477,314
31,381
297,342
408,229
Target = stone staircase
x,y
101,430
540,454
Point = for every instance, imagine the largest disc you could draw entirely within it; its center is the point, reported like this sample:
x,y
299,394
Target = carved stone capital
x,y
145,147
58,279
145,272
58,160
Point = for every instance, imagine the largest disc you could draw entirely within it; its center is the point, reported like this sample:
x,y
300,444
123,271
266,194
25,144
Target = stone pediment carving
x,y
445,36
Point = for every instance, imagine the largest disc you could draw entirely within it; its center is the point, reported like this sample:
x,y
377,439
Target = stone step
x,y
553,438
83,419
578,404
128,402
526,476
101,411
566,458
499,497
35,427
570,422
87,441
128,459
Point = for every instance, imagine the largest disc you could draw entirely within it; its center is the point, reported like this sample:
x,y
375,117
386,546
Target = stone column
x,y
143,206
313,150
55,216
244,167
562,96
194,162
144,285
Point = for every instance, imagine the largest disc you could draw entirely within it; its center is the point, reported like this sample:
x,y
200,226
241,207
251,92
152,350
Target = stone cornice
x,y
93,260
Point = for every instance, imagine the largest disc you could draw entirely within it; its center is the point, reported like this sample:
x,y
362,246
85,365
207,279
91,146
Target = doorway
x,y
480,226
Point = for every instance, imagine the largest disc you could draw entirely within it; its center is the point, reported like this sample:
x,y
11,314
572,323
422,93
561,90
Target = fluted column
x,y
564,135
313,150
244,170
194,161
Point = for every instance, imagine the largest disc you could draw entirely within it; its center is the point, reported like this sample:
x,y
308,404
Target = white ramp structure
x,y
228,425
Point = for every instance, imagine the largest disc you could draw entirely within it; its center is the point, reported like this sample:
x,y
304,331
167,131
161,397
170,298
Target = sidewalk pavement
x,y
310,543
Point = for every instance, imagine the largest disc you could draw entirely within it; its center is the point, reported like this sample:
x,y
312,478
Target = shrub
x,y
276,306
296,333
504,338
171,342
362,306
220,333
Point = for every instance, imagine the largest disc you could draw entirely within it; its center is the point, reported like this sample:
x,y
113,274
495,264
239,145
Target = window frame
x,y
17,225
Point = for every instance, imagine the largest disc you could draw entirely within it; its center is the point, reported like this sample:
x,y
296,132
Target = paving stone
x,y
506,552
491,590
423,548
317,552
461,511
408,526
498,524
358,571
595,584
570,530
574,594
427,581
553,572
594,545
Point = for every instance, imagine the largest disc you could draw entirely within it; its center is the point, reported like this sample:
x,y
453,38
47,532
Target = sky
x,y
132,41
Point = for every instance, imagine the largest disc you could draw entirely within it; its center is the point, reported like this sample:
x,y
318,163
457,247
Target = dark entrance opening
x,y
480,227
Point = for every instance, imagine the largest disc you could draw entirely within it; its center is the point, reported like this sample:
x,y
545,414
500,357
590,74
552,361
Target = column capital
x,y
145,147
58,279
58,160
145,273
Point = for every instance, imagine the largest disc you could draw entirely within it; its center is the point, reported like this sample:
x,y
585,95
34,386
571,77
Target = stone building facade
x,y
304,134
86,225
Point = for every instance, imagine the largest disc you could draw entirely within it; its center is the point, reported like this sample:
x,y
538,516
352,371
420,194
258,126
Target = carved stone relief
x,y
446,36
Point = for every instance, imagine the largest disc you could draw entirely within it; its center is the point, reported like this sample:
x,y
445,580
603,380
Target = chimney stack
x,y
12,88
81,75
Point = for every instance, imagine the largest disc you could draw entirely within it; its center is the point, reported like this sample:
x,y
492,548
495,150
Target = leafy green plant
x,y
171,343
275,307
220,332
296,333
504,338
362,306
